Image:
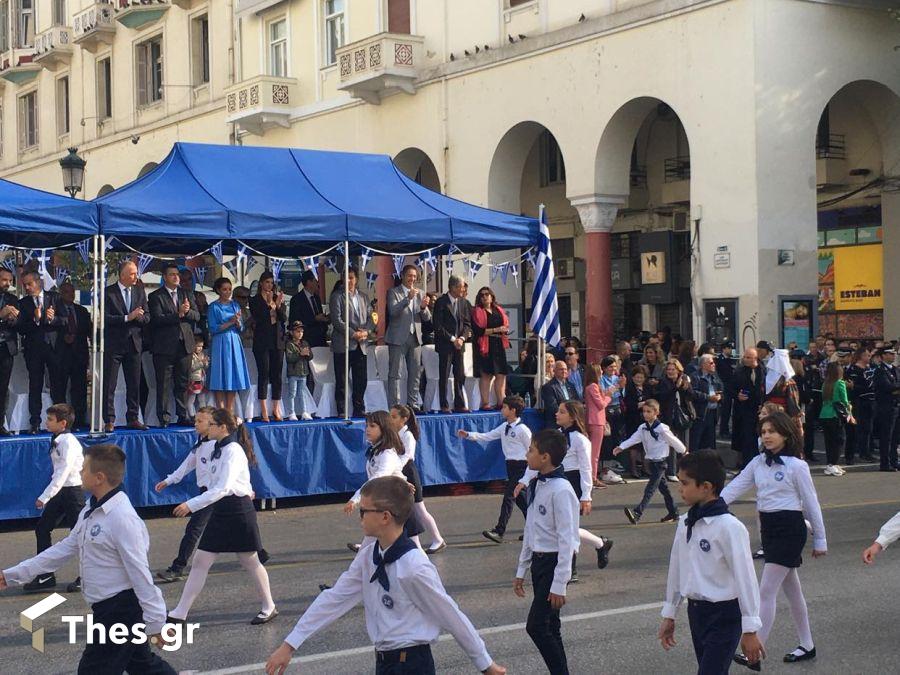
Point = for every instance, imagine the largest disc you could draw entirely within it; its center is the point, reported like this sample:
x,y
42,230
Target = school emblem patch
x,y
542,509
704,546
779,476
203,460
387,601
95,530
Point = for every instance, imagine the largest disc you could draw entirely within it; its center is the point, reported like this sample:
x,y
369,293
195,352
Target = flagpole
x,y
347,331
542,345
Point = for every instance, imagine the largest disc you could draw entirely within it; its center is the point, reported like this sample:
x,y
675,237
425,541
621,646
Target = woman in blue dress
x,y
228,372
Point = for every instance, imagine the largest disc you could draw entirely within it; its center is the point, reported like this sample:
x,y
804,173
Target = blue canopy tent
x,y
32,218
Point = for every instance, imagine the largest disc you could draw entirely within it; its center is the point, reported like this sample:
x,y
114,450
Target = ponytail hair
x,y
409,418
227,419
389,437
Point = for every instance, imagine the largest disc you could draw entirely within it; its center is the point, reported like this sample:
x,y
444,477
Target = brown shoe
x,y
461,410
445,409
109,427
140,426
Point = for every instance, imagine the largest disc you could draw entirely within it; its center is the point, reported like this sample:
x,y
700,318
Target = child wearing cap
x,y
298,354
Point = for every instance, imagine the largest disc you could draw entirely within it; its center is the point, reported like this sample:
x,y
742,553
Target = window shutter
x,y
34,115
141,78
398,16
22,124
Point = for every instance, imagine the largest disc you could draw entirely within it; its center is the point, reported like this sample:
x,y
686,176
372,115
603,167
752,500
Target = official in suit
x,y
556,391
173,316
748,391
9,341
452,328
126,313
407,307
358,323
38,323
306,307
73,351
269,313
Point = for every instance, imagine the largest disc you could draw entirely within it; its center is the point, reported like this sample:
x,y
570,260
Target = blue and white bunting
x,y
331,264
199,274
474,268
529,257
110,242
10,264
371,278
366,256
242,252
216,251
277,264
448,263
514,269
251,263
504,272
312,264
544,306
231,267
398,264
82,247
143,262
61,275
494,270
429,259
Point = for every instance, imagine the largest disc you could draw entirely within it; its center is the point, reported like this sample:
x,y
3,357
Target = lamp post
x,y
73,172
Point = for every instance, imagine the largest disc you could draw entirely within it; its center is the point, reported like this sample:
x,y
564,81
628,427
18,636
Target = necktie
x,y
174,295
200,441
652,429
397,550
773,457
508,429
559,472
127,300
717,507
565,391
71,322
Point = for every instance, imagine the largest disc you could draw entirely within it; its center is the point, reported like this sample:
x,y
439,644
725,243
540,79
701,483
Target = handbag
x,y
683,414
841,412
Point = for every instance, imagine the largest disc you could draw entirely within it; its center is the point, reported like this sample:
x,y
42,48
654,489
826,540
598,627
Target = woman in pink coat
x,y
595,402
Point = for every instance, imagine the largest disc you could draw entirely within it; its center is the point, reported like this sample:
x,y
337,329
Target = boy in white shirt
x,y
515,439
890,532
62,499
404,600
712,566
656,438
550,541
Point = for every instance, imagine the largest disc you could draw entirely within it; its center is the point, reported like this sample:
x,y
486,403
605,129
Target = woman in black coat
x,y
269,314
674,386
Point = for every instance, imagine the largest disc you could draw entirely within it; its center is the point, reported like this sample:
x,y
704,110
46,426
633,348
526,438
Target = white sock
x,y
590,538
772,578
429,522
799,611
203,561
250,562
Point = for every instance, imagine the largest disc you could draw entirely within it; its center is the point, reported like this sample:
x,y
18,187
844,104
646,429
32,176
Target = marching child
x,y
298,354
515,438
63,498
404,422
656,438
550,541
404,600
784,493
890,532
712,568
112,543
232,524
197,375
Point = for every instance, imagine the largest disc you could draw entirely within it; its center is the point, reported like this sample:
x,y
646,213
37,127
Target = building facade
x,y
722,167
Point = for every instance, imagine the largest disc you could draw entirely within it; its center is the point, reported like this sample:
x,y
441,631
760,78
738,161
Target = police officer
x,y
887,388
725,368
860,377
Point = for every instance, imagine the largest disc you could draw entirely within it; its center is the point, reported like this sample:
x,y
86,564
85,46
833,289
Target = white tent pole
x,y
347,330
95,395
101,301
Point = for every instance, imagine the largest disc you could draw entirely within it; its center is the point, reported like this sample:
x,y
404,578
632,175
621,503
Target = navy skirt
x,y
232,527
411,471
783,536
574,478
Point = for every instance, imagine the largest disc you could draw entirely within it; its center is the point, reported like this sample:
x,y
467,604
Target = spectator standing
x,y
306,307
407,308
655,362
299,354
860,382
887,389
676,408
595,402
73,352
836,412
241,296
555,391
9,341
725,371
228,372
623,351
490,327
748,390
707,388
358,324
611,380
637,390
269,314
576,370
452,328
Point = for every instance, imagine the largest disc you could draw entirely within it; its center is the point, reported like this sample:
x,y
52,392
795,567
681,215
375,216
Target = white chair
x,y
471,393
376,388
322,367
431,369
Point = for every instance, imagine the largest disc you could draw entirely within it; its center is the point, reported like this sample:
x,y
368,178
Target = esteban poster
x,y
858,277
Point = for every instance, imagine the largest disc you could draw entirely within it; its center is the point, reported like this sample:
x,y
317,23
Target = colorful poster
x,y
653,267
858,277
826,299
796,322
840,237
861,325
826,266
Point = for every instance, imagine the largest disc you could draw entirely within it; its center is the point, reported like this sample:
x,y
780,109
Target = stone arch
x,y
147,168
106,189
417,165
508,163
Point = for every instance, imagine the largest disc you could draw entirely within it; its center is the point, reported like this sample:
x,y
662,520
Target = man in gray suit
x,y
359,323
407,308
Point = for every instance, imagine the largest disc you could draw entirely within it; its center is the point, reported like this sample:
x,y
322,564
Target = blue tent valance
x,y
32,218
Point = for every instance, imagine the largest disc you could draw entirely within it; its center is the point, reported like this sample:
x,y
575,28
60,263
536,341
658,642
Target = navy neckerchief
x,y
717,507
397,550
371,451
200,441
511,425
53,442
221,443
568,431
773,457
95,504
558,472
651,428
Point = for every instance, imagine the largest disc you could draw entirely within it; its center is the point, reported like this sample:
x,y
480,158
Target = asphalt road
x,y
611,616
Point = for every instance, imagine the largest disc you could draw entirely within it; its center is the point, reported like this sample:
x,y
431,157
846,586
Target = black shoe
x,y
34,430
805,656
436,549
670,518
75,586
174,621
263,556
849,461
521,537
170,575
164,423
493,535
41,583
5,432
603,553
184,422
324,587
888,469
261,618
742,660
633,517
867,458
759,553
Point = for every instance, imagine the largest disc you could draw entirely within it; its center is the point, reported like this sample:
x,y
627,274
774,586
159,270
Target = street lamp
x,y
73,172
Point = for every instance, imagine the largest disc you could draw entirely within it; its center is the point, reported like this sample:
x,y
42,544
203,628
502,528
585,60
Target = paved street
x,y
611,618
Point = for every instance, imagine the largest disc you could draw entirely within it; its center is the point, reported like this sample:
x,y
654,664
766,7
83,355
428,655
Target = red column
x,y
384,267
598,300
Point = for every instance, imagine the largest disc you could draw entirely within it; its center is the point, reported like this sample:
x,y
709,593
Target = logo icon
x,y
542,509
779,476
203,460
704,546
95,530
387,601
37,610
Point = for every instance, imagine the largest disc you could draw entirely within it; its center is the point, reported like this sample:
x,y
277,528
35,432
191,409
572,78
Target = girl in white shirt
x,y
784,494
403,419
232,526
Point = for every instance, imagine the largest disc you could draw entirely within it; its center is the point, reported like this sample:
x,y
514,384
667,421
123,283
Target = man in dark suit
x,y
452,327
173,316
360,325
306,307
748,391
556,391
38,324
9,340
126,313
73,351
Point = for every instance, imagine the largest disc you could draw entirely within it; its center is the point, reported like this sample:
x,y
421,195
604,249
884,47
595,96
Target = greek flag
x,y
544,307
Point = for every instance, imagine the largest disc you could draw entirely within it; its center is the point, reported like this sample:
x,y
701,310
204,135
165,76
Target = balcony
x,y
53,47
261,103
676,187
140,13
94,26
17,66
380,65
831,160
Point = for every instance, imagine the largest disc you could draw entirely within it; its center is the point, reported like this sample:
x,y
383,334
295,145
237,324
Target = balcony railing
x,y
17,66
676,169
379,65
262,102
94,26
53,47
140,13
638,176
834,146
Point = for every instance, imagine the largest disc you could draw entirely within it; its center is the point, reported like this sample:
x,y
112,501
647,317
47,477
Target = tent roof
x,y
37,219
282,200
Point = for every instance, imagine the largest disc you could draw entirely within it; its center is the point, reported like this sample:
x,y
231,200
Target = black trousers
x,y
725,406
40,358
716,634
73,371
172,371
359,376
6,364
813,408
863,411
543,621
885,421
61,509
833,429
113,659
269,364
405,661
515,469
743,432
192,533
130,362
703,432
446,361
657,481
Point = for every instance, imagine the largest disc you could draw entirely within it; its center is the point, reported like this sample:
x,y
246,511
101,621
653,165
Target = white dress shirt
x,y
654,450
112,545
198,460
385,463
411,613
67,457
229,475
578,458
551,526
890,532
715,565
127,297
781,487
409,445
514,437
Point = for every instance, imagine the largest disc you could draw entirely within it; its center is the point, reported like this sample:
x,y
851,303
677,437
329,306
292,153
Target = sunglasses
x,y
363,511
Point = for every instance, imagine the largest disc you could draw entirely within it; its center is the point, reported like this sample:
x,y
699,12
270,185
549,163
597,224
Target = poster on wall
x,y
721,319
653,267
796,322
858,277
